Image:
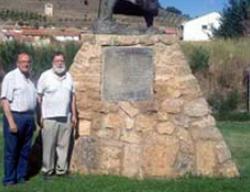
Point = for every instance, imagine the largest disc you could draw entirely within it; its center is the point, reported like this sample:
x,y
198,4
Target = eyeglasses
x,y
59,60
25,61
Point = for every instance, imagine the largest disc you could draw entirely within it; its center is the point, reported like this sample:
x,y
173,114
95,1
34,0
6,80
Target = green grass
x,y
236,134
232,116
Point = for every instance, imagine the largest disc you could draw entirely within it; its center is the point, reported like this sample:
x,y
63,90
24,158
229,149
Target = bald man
x,y
18,99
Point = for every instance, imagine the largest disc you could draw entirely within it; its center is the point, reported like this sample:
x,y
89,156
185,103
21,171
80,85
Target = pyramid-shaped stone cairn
x,y
142,112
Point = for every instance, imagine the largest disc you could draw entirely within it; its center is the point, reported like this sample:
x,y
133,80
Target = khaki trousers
x,y
56,136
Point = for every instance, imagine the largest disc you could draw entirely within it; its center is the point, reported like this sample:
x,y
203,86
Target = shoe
x,y
22,181
10,184
65,175
47,177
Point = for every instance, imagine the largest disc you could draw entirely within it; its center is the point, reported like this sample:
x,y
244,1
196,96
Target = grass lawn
x,y
236,134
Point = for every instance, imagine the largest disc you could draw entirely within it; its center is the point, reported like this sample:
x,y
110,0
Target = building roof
x,y
217,14
171,31
65,33
40,32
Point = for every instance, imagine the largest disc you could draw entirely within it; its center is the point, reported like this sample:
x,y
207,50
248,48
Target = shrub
x,y
225,104
199,59
16,15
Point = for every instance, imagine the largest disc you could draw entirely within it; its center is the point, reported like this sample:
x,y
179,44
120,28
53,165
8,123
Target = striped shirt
x,y
19,91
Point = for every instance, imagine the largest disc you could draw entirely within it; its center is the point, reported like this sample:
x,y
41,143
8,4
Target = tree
x,y
187,16
174,10
232,20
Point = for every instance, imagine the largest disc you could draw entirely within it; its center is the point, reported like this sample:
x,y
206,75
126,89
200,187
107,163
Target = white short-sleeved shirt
x,y
19,91
56,94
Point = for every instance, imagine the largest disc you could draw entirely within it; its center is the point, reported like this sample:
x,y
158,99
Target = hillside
x,y
220,67
77,12
62,8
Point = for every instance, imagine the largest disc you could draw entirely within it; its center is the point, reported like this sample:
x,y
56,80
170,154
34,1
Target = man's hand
x,y
13,127
74,121
6,109
40,122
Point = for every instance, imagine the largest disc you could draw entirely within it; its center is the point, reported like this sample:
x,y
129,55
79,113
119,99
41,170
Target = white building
x,y
48,9
63,36
201,28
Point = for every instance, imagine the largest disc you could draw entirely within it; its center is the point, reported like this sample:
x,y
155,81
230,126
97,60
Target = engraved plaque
x,y
127,74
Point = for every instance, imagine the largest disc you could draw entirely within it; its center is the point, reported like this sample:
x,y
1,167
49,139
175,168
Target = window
x,y
204,27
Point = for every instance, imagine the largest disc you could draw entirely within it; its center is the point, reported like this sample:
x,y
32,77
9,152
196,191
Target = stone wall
x,y
170,135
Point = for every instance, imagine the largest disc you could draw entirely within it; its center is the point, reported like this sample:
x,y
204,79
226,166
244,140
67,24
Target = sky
x,y
195,7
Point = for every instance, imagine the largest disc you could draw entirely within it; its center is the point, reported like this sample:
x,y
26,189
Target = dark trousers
x,y
17,147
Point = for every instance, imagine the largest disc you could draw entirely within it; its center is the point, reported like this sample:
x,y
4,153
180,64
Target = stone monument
x,y
142,112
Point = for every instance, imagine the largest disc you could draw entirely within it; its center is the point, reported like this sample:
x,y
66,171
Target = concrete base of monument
x,y
142,113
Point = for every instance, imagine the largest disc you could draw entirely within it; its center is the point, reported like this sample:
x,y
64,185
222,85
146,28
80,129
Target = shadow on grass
x,y
35,159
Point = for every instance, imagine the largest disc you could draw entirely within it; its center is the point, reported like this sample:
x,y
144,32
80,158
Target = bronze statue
x,y
105,24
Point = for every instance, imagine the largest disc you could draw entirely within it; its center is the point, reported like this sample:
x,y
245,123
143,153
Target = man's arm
x,y
40,91
39,111
6,109
7,96
73,110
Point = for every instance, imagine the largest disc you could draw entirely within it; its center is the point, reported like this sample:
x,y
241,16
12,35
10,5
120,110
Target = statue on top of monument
x,y
105,24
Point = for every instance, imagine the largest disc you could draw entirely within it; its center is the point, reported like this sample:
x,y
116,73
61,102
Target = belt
x,y
23,112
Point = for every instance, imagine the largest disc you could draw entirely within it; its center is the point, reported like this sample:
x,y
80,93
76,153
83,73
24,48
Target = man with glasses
x,y
57,100
18,99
